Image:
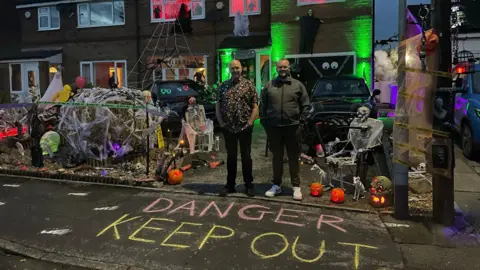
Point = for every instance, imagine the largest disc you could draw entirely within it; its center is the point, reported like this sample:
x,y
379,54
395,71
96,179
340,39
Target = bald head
x,y
235,69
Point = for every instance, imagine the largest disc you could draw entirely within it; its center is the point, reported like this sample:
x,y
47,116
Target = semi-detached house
x,y
99,38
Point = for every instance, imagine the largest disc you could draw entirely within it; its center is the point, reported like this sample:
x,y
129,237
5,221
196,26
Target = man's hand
x,y
250,122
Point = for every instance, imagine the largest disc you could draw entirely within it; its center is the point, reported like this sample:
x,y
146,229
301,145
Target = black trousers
x,y
232,140
279,139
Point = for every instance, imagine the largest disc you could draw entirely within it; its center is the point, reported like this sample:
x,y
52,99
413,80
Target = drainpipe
x,y
137,32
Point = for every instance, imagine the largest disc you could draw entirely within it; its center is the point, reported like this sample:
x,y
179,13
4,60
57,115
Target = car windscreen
x,y
341,88
165,90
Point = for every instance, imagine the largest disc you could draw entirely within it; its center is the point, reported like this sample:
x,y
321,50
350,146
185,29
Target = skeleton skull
x,y
363,113
325,65
422,167
334,65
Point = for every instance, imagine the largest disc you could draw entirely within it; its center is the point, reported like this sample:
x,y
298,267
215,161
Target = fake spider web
x,y
168,42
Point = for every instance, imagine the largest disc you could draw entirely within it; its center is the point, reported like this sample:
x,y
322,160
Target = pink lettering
x,y
242,215
148,208
280,214
220,214
185,207
333,219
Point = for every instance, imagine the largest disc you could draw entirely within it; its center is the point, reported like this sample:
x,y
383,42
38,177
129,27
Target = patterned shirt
x,y
236,99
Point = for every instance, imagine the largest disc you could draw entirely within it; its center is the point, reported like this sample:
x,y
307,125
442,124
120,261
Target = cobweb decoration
x,y
165,45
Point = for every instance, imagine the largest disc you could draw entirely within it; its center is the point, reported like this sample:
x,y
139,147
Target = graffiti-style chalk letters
x,y
242,215
211,234
144,226
356,258
330,222
148,209
177,231
188,206
320,253
280,214
265,256
220,214
115,224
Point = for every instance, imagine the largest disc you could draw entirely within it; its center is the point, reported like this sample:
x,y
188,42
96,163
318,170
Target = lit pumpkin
x,y
337,195
316,189
431,43
381,191
175,177
378,200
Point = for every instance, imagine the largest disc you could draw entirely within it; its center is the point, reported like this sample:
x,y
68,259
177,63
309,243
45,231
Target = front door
x,y
263,68
31,81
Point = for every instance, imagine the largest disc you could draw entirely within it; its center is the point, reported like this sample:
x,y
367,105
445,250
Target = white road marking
x,y
107,208
11,185
396,225
56,231
78,194
2,203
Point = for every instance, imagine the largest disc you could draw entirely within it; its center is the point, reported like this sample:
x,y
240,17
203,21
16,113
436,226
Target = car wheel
x,y
467,141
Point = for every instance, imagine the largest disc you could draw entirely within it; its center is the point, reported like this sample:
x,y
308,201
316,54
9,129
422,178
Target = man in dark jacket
x,y
284,105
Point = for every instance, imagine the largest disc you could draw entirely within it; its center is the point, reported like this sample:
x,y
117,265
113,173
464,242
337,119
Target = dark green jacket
x,y
283,103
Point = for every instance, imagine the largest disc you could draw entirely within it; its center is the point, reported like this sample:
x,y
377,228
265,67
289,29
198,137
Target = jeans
x,y
232,140
281,138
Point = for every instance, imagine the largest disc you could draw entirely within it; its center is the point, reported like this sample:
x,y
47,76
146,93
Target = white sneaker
x,y
297,193
274,190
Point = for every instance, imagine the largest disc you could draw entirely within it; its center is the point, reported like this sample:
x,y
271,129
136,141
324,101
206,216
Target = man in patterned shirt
x,y
237,109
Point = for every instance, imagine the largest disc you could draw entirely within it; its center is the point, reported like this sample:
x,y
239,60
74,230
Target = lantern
x,y
381,191
316,189
175,177
337,195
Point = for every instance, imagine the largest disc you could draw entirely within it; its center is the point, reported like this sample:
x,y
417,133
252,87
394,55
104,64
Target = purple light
x,y
116,146
393,94
391,114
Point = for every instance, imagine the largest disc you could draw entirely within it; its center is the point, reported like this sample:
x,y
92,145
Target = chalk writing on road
x,y
2,203
107,208
77,194
208,235
11,185
56,231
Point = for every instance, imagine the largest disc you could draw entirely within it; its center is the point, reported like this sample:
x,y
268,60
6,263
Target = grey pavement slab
x,y
469,182
423,257
13,262
153,230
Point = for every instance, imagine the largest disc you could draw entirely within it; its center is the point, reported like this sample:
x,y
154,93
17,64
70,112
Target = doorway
x,y
263,68
30,76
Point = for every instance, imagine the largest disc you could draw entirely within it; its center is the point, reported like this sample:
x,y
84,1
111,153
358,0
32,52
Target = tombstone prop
x,y
308,31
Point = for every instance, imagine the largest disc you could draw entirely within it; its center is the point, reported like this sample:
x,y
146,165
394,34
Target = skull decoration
x,y
325,65
422,167
334,65
363,113
381,191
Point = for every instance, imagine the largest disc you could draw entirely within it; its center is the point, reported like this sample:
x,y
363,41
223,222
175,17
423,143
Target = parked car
x,y
467,114
175,95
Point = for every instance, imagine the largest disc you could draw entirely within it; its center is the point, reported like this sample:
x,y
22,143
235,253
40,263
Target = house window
x,y
15,77
316,2
247,7
186,67
102,73
105,13
167,10
48,18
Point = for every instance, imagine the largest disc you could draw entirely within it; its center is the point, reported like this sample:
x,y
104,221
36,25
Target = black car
x,y
175,95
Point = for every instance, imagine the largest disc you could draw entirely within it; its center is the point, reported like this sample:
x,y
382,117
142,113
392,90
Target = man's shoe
x,y
250,191
226,190
297,193
274,190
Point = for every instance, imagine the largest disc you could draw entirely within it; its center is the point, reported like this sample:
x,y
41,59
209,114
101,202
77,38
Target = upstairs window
x,y
246,7
105,13
167,10
48,18
316,2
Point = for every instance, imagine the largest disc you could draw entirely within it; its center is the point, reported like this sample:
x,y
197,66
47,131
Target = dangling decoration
x,y
241,24
183,21
431,43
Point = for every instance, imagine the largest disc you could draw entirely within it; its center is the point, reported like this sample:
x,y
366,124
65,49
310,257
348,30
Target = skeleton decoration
x,y
359,188
422,167
327,65
241,24
49,143
323,177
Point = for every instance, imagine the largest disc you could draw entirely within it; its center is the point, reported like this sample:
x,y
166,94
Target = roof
x,y
19,55
39,3
247,42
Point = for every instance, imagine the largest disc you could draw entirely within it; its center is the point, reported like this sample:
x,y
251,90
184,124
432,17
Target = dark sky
x,y
386,17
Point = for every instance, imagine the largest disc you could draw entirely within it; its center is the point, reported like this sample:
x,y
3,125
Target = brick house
x,y
99,38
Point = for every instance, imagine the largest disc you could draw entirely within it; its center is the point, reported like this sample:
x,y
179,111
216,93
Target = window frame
x,y
194,18
259,12
89,9
91,65
163,72
48,15
299,4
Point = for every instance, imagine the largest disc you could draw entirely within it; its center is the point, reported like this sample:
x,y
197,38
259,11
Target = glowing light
x,y
52,70
11,132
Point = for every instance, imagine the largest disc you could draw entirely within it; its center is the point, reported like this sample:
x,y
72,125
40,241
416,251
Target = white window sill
x,y
48,29
172,20
97,26
256,14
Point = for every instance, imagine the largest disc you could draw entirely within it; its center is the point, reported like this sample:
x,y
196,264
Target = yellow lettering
x,y
320,254
177,231
115,224
144,226
356,258
216,236
264,256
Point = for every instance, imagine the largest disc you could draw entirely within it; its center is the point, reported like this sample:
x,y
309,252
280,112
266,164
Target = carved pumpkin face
x,y
337,195
381,185
316,189
175,177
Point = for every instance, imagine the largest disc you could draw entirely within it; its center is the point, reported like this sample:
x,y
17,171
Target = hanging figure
x,y
241,24
308,31
183,23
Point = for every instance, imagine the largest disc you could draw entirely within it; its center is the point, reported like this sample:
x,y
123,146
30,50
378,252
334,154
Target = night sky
x,y
386,17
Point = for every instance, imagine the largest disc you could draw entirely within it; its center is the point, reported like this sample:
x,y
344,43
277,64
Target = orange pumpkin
x,y
337,195
175,177
316,189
